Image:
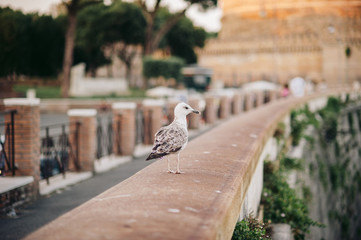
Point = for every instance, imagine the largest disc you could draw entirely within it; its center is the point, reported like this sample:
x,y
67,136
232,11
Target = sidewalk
x,y
65,198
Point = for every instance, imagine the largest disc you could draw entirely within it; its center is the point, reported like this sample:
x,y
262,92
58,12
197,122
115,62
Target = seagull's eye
x,y
186,108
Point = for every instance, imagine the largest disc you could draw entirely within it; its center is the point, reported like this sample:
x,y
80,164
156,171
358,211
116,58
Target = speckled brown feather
x,y
168,140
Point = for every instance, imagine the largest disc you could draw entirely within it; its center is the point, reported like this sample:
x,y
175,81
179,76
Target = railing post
x,y
124,124
211,109
25,137
249,101
63,144
237,103
260,98
195,119
82,137
13,141
225,107
153,116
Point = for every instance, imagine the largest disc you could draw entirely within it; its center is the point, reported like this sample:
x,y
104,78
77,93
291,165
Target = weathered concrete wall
x,y
333,176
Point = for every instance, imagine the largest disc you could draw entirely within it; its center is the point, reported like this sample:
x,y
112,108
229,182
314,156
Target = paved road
x,y
47,209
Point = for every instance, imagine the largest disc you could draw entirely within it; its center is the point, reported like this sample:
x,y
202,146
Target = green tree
x,y
100,25
14,43
47,44
127,27
90,32
153,35
183,38
72,7
30,44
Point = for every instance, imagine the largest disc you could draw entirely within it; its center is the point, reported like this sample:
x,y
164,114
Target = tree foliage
x,y
155,33
100,25
183,38
35,45
90,37
30,44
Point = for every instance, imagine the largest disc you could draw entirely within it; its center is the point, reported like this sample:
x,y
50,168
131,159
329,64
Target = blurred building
x,y
278,40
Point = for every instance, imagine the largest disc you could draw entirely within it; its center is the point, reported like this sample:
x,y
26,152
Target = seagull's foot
x,y
178,172
170,171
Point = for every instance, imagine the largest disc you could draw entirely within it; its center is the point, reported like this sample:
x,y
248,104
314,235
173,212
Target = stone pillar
x,y
259,98
124,128
236,104
210,114
153,119
26,137
82,133
249,101
273,95
225,107
195,119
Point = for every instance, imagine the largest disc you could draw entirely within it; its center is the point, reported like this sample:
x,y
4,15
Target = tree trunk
x,y
68,54
149,38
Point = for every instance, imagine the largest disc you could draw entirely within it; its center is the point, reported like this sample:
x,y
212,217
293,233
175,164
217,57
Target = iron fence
x,y
139,126
105,136
7,143
56,151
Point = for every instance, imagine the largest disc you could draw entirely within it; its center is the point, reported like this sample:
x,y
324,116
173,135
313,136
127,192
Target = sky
x,y
209,20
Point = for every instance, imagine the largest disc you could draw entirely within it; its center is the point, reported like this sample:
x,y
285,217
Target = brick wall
x,y
86,137
27,139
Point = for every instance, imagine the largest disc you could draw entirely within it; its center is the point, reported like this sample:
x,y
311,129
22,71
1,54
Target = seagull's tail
x,y
155,155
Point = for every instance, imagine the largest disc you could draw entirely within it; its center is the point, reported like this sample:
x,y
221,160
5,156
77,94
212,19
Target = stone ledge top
x,y
21,101
124,105
153,102
9,183
82,112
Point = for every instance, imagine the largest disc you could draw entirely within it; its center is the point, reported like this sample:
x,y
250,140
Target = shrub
x,y
281,205
250,229
167,68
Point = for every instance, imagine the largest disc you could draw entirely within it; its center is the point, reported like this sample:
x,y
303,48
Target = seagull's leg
x,y
178,171
170,171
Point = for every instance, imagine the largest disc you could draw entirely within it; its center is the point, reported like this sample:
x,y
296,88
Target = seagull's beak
x,y
195,111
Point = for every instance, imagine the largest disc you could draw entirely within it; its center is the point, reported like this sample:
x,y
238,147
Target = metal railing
x,y
139,126
56,151
7,144
105,136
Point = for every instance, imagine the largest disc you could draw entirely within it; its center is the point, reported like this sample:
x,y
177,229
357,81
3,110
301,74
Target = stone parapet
x,y
82,138
204,202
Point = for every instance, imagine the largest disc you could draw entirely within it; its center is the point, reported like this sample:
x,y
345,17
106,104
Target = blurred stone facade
x,y
279,40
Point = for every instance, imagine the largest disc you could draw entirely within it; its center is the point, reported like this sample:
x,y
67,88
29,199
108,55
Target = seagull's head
x,y
183,109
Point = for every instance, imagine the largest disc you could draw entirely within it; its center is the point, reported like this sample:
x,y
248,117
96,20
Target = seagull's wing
x,y
169,139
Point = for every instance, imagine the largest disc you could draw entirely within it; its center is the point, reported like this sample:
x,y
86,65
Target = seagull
x,y
173,138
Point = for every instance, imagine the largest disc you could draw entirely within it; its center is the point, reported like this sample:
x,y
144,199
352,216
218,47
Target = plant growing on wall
x,y
281,205
250,228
